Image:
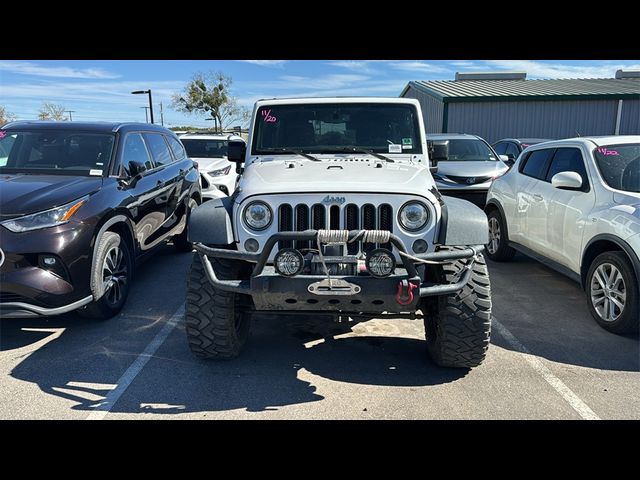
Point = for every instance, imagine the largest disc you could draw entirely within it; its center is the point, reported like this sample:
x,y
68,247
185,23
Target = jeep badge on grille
x,y
329,200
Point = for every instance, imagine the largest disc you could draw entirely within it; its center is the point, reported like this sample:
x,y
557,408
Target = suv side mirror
x,y
236,151
567,181
136,168
437,151
508,159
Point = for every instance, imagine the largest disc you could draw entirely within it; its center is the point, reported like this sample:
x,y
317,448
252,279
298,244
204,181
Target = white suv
x,y
574,205
218,176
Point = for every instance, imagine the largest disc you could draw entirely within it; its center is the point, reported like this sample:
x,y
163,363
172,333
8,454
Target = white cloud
x,y
462,63
537,69
360,66
298,82
29,68
266,63
416,66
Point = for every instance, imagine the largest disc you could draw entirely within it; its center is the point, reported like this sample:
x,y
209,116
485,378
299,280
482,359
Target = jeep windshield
x,y
204,148
337,128
66,152
471,150
620,166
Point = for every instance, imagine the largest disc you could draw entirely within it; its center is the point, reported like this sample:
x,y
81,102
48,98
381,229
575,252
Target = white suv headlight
x,y
48,218
257,215
413,216
220,172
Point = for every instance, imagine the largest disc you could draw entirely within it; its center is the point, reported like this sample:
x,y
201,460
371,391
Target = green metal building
x,y
506,104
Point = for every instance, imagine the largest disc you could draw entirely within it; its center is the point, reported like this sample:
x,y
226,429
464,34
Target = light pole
x,y
146,114
70,112
215,126
138,92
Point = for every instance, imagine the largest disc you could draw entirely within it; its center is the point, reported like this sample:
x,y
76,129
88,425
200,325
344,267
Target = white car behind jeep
x,y
574,205
218,176
337,215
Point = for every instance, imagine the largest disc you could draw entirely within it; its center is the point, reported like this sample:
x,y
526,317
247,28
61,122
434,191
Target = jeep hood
x,y
338,175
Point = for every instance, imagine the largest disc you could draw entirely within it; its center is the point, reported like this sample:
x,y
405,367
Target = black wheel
x,y
458,326
498,248
110,277
217,322
180,242
612,293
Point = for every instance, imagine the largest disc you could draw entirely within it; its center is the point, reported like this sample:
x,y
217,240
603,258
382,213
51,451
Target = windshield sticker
x,y
606,152
267,117
407,141
395,148
95,172
3,134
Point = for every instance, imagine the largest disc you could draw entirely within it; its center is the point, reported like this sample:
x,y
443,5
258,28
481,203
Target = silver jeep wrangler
x,y
337,213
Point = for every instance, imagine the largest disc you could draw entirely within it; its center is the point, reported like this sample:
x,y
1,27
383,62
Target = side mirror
x,y
567,181
236,151
509,159
437,152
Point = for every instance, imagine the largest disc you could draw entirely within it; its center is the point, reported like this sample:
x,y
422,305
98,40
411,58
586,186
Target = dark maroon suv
x,y
80,204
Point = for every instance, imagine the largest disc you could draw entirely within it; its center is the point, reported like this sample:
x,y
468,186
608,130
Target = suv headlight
x,y
48,218
220,172
413,216
257,215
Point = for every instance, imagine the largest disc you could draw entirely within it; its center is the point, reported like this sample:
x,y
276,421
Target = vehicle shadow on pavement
x,y
276,369
547,312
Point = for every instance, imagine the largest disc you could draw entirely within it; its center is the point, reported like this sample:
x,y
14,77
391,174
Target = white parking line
x,y
135,368
558,385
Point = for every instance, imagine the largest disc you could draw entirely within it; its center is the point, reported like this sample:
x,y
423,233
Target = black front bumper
x,y
271,291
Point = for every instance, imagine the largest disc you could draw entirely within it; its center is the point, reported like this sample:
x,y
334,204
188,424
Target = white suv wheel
x,y
494,236
608,292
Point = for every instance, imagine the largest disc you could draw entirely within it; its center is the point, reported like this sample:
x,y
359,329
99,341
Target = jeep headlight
x,y
48,218
220,171
257,215
413,216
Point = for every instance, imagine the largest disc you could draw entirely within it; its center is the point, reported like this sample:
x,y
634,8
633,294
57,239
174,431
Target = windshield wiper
x,y
370,152
290,150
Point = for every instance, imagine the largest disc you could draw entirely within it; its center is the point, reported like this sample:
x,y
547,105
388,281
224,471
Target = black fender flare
x,y
210,223
624,246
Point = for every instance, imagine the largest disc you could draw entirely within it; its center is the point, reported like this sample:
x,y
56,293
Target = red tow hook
x,y
404,295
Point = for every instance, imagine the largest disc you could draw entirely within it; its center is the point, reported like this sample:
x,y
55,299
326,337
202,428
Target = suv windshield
x,y
67,151
620,166
473,150
204,148
329,128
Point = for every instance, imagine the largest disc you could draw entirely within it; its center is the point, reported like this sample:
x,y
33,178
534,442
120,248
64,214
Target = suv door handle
x,y
160,183
538,197
183,172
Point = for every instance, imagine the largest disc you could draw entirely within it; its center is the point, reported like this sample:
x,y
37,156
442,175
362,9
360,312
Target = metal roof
x,y
502,90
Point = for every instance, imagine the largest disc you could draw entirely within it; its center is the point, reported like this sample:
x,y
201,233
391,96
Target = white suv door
x,y
532,202
568,209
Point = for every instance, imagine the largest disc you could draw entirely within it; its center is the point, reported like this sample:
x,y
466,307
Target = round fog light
x,y
380,262
288,262
420,246
251,245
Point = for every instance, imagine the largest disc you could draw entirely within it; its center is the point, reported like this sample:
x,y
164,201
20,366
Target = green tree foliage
x,y
209,95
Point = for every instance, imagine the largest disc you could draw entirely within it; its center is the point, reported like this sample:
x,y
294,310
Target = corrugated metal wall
x,y
630,119
432,110
548,119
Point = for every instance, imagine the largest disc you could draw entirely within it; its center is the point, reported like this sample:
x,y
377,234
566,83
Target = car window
x,y
512,150
5,147
159,148
500,148
567,160
205,148
536,163
134,150
620,165
177,148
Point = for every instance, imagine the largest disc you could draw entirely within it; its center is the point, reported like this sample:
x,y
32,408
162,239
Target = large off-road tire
x,y
498,248
110,277
616,306
458,326
217,322
180,242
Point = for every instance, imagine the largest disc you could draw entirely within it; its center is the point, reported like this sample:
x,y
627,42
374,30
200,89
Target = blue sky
x,y
99,90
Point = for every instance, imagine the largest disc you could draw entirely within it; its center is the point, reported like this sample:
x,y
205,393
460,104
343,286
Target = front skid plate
x,y
274,292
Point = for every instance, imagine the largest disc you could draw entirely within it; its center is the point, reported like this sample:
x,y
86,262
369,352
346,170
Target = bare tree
x,y
209,95
52,111
5,117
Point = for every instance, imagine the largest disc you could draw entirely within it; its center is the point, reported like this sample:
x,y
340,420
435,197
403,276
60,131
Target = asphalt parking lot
x,y
548,360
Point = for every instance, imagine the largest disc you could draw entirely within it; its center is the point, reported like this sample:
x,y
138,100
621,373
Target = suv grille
x,y
347,217
464,180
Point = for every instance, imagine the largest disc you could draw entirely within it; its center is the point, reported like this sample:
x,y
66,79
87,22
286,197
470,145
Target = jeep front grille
x,y
346,217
